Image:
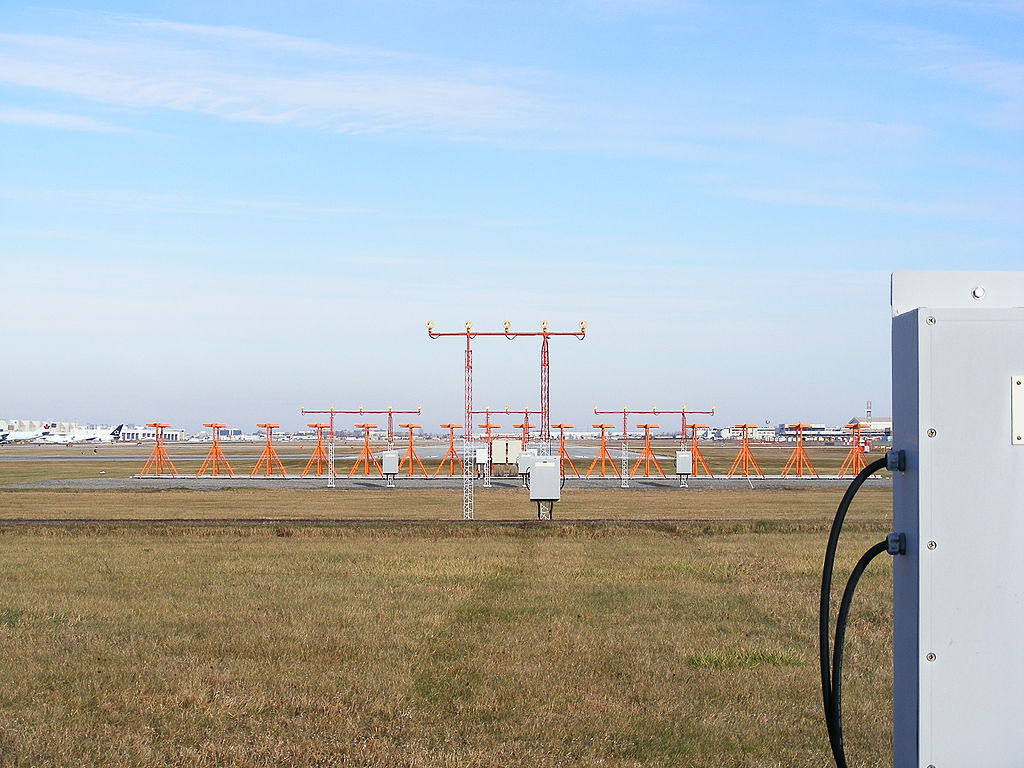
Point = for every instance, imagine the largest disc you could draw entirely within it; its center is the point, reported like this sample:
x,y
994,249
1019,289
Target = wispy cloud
x,y
185,68
955,60
36,118
820,198
119,199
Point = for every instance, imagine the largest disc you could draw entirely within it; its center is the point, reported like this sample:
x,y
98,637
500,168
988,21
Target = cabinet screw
x,y
930,657
932,545
932,433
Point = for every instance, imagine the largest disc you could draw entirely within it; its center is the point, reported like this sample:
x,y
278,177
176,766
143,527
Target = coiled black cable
x,y
831,662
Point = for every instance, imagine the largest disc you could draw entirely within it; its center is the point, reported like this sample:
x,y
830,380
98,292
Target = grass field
x,y
686,642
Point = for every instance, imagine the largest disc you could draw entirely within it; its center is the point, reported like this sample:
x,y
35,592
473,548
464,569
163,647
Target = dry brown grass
x,y
808,504
689,643
425,647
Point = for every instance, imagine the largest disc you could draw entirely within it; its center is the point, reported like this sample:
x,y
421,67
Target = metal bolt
x,y
930,657
979,292
930,321
932,545
932,433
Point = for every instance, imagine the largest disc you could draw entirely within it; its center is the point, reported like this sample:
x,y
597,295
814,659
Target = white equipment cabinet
x,y
545,485
958,592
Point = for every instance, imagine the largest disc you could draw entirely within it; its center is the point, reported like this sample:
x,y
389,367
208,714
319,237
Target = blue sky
x,y
222,210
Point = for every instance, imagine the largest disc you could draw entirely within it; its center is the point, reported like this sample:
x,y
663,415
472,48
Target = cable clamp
x,y
896,543
896,461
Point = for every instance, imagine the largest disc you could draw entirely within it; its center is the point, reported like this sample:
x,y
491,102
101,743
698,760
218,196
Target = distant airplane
x,y
24,436
82,436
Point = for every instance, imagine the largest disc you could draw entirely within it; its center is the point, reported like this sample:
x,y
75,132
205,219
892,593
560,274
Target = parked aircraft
x,y
24,436
83,436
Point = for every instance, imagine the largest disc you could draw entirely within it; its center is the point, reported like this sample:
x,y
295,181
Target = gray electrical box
x,y
506,451
481,456
525,460
958,592
684,462
389,462
545,479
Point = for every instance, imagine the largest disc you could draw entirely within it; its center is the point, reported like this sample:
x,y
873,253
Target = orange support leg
x,y
798,459
451,457
318,460
854,461
602,452
697,458
745,460
563,454
410,453
366,456
158,463
647,456
215,459
268,460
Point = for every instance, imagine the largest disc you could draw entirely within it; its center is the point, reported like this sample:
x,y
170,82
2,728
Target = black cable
x,y
825,608
840,643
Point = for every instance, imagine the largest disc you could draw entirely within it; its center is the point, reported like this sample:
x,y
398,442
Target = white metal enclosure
x,y
958,592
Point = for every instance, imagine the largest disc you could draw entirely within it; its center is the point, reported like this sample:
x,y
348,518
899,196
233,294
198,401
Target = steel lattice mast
x,y
545,392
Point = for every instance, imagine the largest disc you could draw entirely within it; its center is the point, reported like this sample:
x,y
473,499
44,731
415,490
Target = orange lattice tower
x,y
745,460
410,453
268,460
452,456
158,462
696,457
366,456
647,456
563,454
602,453
798,459
215,459
854,461
319,459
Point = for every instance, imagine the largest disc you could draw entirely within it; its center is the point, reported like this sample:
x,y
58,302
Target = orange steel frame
x,y
697,458
545,366
646,454
319,458
158,461
602,452
798,459
452,456
563,454
215,459
745,458
854,461
366,456
269,459
682,420
410,453
390,412
525,425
